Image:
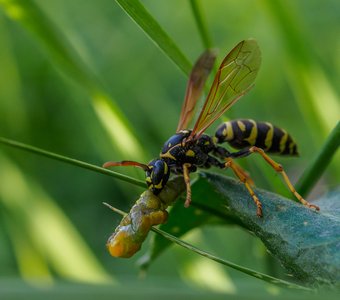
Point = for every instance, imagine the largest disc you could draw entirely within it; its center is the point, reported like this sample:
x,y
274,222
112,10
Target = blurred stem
x,y
155,32
312,174
308,80
201,24
71,161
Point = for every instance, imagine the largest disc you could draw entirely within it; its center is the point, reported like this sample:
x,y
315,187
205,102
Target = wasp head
x,y
157,175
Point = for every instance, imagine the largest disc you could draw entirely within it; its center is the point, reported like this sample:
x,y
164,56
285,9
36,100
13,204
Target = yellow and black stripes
x,y
241,134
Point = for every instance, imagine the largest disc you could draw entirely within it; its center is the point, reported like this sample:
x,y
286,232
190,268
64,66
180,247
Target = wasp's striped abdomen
x,y
241,134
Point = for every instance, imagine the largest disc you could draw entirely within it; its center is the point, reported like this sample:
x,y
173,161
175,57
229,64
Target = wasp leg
x,y
278,168
244,174
245,179
187,183
223,153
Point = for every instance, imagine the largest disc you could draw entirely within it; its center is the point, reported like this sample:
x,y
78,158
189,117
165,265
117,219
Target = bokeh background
x,y
122,102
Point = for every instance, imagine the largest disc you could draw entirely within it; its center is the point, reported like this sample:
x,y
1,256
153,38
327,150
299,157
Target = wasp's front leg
x,y
186,175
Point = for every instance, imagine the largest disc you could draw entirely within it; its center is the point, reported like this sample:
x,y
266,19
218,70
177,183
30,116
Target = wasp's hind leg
x,y
278,168
246,180
239,172
224,154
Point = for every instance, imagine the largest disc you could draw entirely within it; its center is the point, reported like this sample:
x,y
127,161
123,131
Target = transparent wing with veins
x,y
197,79
234,78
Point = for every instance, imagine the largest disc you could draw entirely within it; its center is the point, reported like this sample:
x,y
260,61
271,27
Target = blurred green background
x,y
122,101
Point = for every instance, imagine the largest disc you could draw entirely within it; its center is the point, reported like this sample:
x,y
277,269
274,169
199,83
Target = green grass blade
x,y
42,235
315,94
253,273
155,32
31,264
71,161
65,57
201,24
315,170
308,80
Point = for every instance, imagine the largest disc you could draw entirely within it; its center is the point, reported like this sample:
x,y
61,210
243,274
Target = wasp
x,y
189,149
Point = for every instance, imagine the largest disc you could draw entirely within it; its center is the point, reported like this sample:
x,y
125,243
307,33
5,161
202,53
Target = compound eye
x,y
159,171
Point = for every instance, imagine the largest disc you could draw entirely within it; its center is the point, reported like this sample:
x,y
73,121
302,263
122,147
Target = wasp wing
x,y
234,78
197,79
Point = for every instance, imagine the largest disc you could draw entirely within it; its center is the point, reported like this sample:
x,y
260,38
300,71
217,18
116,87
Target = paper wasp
x,y
188,150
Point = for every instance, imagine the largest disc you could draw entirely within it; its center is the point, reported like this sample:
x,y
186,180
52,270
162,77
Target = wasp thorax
x,y
175,140
205,143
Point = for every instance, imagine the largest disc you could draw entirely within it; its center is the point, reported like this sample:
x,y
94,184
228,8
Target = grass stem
x,y
315,170
201,24
71,161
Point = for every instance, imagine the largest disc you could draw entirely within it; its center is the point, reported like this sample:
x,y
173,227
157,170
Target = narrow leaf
x,y
155,32
317,167
52,241
68,160
201,24
318,99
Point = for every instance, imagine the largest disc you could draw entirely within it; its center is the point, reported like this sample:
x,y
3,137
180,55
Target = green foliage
x,y
312,174
141,16
304,241
80,79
